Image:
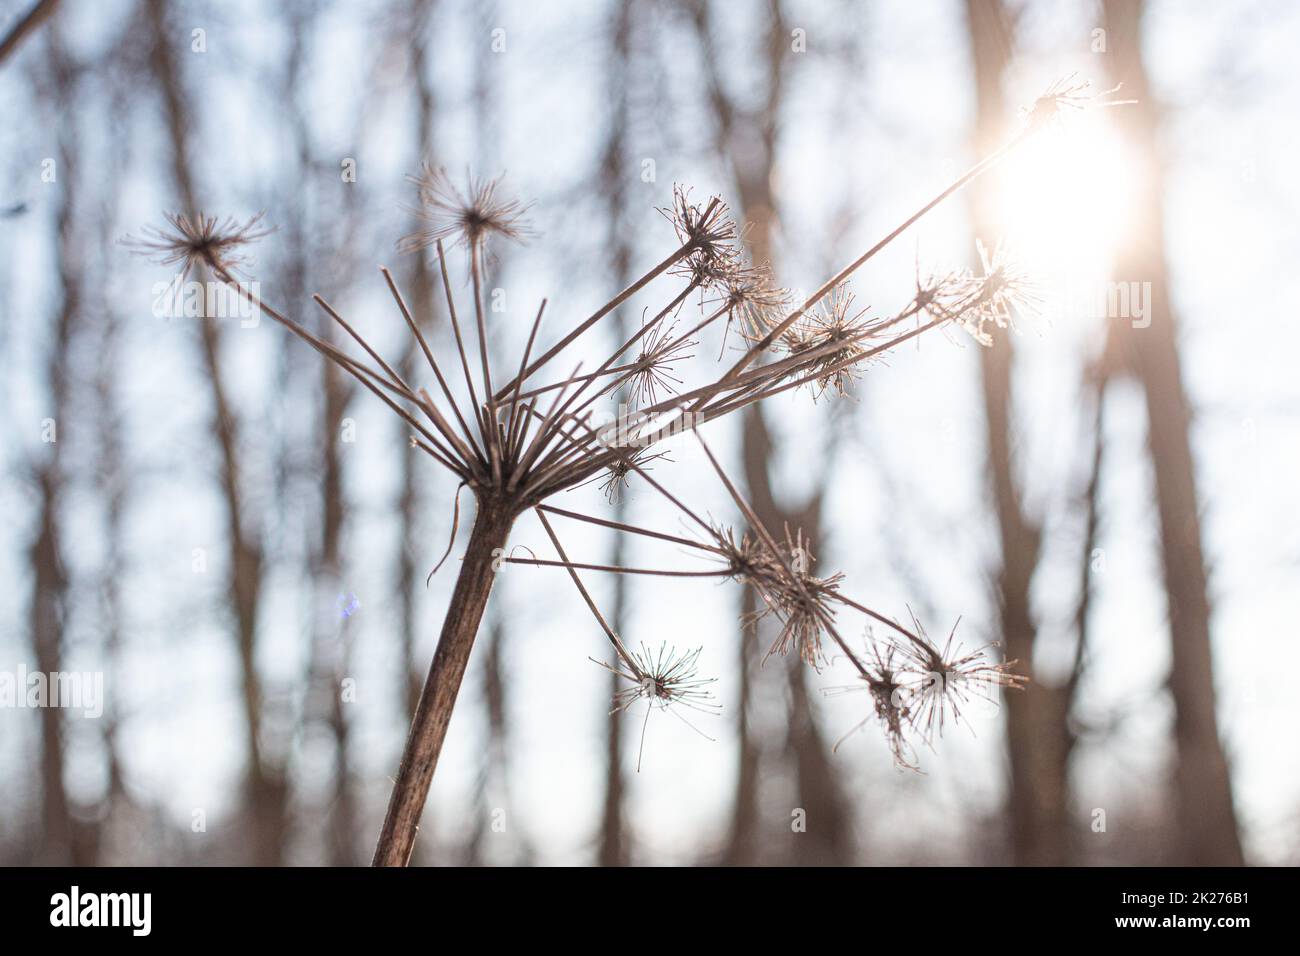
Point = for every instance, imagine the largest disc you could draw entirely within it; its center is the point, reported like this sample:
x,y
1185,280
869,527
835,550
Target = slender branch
x,y
631,529
428,354
614,639
460,342
764,343
490,437
516,420
615,569
672,260
359,371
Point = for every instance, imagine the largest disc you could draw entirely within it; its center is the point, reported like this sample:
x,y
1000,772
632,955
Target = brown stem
x,y
429,727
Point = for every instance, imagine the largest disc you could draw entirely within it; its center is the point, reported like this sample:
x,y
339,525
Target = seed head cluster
x,y
519,434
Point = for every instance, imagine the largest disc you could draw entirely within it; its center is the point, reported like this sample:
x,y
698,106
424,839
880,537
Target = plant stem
x,y
433,713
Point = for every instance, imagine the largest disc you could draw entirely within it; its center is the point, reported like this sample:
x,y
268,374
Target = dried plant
x,y
651,374
836,334
194,240
948,680
663,679
752,303
1003,290
1067,93
519,439
618,473
468,217
891,702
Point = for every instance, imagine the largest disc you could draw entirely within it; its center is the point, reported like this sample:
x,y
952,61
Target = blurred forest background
x,y
228,531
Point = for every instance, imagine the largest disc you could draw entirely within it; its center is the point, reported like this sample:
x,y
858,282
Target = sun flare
x,y
1065,201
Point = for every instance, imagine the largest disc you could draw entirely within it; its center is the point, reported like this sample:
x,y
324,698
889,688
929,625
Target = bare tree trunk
x,y
1206,816
743,837
748,141
407,510
614,178
344,849
429,727
828,839
614,844
1038,737
266,792
422,309
59,843
49,591
113,481
328,571
493,790
493,694
411,546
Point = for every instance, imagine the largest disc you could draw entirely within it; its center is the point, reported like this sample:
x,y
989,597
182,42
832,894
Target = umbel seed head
x,y
469,217
199,239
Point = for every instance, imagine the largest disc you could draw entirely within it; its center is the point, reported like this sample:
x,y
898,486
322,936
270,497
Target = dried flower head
x,y
706,228
712,270
940,296
754,305
1067,93
997,295
800,614
666,677
744,557
789,591
834,336
709,232
800,600
663,679
199,239
619,473
651,371
891,700
947,680
471,217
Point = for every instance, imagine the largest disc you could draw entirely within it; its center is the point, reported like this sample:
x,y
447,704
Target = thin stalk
x,y
614,639
672,307
514,438
541,439
728,405
433,713
362,373
682,252
614,569
460,341
764,343
631,529
428,355
490,437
